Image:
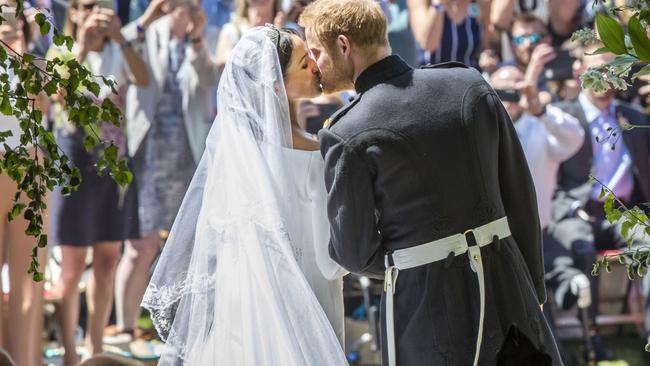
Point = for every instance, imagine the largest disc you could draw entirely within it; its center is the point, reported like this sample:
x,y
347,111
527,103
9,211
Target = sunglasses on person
x,y
101,3
532,38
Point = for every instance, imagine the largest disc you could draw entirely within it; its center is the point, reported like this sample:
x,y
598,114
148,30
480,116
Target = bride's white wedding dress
x,y
309,234
229,288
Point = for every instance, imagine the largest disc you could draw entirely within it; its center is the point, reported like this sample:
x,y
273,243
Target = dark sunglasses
x,y
89,6
532,38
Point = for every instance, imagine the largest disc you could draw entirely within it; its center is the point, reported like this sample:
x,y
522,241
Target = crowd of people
x,y
167,56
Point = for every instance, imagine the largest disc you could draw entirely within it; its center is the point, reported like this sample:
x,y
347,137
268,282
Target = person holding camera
x,y
531,45
168,124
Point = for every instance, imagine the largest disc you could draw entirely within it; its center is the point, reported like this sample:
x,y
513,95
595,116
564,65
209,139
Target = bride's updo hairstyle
x,y
283,42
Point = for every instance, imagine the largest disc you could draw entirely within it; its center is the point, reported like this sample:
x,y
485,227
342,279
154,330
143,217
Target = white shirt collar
x,y
591,111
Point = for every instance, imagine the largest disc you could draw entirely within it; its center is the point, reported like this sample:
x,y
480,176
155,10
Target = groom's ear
x,y
343,43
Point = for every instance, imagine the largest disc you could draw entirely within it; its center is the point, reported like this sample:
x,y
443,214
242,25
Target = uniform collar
x,y
379,72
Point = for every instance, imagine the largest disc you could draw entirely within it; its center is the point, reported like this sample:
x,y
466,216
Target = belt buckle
x,y
470,238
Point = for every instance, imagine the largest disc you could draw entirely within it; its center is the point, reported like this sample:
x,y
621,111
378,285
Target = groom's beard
x,y
337,77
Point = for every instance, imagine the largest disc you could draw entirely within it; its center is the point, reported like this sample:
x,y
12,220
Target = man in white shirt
x,y
548,135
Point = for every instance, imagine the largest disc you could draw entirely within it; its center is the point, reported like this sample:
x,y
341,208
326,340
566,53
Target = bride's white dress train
x,y
228,289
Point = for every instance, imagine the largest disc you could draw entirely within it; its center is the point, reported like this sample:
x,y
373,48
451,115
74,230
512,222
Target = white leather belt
x,y
435,251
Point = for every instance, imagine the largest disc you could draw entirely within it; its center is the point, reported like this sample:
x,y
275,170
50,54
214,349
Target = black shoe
x,y
601,351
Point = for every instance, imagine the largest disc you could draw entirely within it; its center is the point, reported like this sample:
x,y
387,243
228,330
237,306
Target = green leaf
x,y
5,106
622,60
39,18
28,57
42,241
69,43
111,153
92,86
45,28
50,87
16,210
639,39
611,33
58,39
28,214
625,230
599,51
90,142
38,276
602,193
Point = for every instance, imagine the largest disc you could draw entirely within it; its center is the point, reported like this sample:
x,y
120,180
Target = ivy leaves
x,y
633,223
37,165
629,49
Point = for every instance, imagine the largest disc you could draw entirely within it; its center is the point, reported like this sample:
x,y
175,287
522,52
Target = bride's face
x,y
302,76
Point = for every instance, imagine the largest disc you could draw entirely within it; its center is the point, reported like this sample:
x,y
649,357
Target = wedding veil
x,y
227,289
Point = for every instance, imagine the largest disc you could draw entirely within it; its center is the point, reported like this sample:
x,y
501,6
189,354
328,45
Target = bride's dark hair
x,y
283,42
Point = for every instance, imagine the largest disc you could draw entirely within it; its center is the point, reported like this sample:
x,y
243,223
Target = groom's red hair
x,y
362,21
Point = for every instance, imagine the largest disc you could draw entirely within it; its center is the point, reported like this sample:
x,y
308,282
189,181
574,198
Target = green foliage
x,y
630,48
37,171
611,33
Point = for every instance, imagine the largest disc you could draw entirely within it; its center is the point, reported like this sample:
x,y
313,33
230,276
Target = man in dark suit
x,y
429,189
619,159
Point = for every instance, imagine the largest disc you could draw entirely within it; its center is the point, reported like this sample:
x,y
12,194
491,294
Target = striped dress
x,y
459,42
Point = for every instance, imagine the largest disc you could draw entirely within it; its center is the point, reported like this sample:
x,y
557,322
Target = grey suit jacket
x,y
198,76
574,187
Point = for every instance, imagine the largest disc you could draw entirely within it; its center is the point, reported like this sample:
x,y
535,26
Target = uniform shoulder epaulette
x,y
341,112
444,65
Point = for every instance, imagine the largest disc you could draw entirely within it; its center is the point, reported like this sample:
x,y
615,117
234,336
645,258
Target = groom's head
x,y
343,35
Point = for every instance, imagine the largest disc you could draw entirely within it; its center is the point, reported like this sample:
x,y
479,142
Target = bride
x,y
245,277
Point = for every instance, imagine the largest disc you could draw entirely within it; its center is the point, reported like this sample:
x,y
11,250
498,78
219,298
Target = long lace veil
x,y
227,289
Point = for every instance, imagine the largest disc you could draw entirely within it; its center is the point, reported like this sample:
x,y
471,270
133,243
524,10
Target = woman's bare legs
x,y
25,318
99,294
73,264
132,278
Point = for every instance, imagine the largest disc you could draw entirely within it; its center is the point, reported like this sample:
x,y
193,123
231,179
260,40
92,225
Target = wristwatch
x,y
140,28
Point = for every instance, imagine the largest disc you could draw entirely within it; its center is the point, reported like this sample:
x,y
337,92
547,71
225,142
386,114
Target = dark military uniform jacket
x,y
419,155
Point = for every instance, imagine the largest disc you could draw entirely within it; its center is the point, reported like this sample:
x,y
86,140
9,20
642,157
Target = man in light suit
x,y
619,159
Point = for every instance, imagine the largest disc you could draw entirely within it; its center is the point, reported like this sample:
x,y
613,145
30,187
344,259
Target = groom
x,y
429,190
